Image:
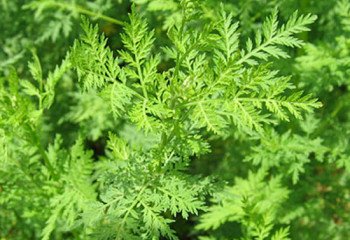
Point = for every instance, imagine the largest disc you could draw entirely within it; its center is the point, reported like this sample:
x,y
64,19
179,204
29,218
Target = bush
x,y
171,119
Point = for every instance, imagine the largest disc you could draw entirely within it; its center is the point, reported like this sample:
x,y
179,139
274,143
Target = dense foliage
x,y
174,119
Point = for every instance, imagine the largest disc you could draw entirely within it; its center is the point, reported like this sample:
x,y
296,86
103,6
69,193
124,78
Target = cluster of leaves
x,y
186,125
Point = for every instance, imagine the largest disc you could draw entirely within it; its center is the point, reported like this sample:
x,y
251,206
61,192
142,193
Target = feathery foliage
x,y
173,119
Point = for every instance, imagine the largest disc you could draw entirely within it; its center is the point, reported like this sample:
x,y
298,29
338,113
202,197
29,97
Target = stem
x,y
80,9
139,72
43,153
178,62
134,203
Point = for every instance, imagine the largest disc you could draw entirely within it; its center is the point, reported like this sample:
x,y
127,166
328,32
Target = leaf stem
x,y
43,153
133,204
80,9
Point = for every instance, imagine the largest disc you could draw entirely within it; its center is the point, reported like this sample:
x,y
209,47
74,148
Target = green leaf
x,y
30,89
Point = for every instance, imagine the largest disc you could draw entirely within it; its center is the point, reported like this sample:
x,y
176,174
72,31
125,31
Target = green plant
x,y
188,130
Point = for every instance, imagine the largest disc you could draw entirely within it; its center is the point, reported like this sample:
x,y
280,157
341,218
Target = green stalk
x,y
80,9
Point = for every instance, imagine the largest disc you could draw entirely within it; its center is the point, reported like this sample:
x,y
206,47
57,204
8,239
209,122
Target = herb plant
x,y
170,119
